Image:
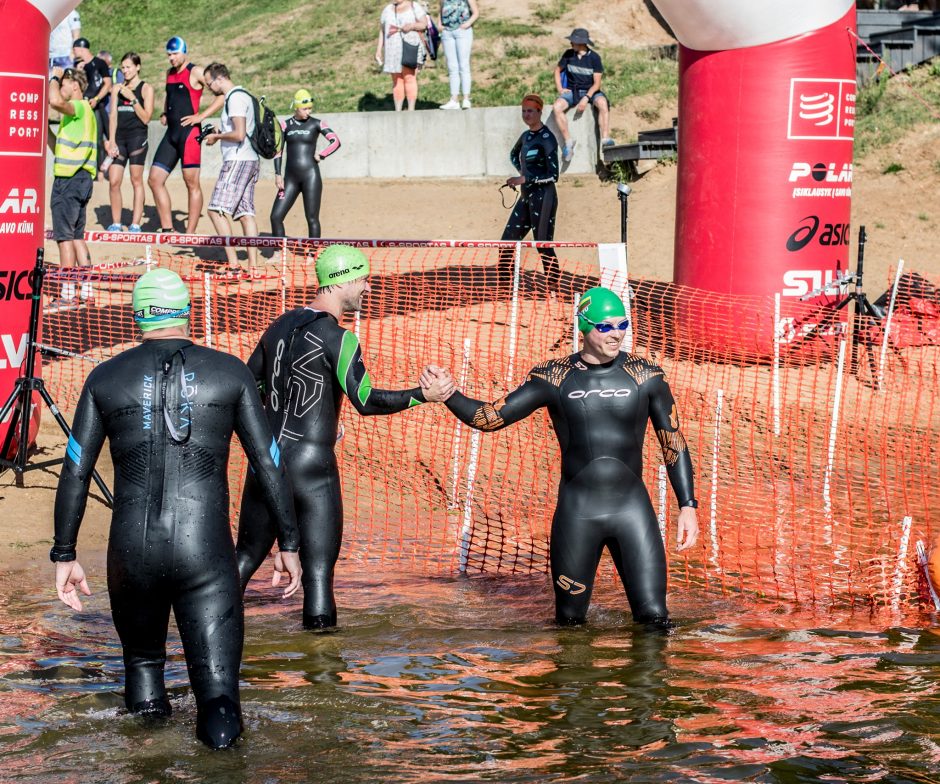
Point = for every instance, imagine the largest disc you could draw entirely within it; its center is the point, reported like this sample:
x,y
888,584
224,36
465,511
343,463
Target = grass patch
x,y
549,12
891,107
276,46
893,168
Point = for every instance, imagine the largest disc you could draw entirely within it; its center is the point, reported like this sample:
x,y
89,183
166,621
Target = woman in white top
x,y
402,22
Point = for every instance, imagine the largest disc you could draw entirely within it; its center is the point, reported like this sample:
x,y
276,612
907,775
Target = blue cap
x,y
176,45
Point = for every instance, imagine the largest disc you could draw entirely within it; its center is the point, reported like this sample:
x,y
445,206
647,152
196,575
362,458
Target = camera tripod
x,y
22,394
865,314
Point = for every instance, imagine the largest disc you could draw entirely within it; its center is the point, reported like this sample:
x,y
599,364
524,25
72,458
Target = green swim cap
x,y
596,305
341,264
160,300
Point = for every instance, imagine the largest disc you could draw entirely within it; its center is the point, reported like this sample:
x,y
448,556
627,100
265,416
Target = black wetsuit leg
x,y
534,211
594,512
319,504
313,191
281,207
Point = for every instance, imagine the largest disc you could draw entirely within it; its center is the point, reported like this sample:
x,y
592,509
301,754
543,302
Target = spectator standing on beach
x,y
99,87
60,41
185,83
127,139
401,50
74,169
457,18
234,194
578,80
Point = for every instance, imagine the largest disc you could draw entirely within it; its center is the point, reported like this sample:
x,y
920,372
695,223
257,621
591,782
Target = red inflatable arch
x,y
24,66
766,120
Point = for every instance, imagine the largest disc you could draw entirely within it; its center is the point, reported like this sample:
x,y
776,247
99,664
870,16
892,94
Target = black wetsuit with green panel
x,y
599,413
305,364
169,408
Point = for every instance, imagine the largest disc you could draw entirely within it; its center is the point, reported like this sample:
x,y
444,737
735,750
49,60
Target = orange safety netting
x,y
816,467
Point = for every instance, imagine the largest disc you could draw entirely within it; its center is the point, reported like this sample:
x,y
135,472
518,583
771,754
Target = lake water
x,y
450,680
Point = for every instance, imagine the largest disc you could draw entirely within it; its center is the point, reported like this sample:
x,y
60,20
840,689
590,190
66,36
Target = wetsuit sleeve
x,y
517,405
514,155
665,419
253,431
357,385
332,141
81,454
280,153
256,366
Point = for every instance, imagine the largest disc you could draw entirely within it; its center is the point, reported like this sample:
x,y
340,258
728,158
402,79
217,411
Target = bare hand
x,y
111,148
583,104
162,119
688,528
211,139
515,182
437,384
393,30
279,182
58,71
288,563
430,374
191,119
69,580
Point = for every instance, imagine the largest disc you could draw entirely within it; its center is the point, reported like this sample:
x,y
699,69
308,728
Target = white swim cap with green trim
x,y
341,264
160,300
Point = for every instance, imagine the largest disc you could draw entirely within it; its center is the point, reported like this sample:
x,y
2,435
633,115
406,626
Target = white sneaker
x,y
568,150
451,104
466,104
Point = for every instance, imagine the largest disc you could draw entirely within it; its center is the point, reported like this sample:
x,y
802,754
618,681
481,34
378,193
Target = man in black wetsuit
x,y
535,157
306,363
302,170
599,401
169,408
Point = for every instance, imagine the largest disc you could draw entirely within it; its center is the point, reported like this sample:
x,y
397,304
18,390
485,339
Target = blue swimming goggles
x,y
605,326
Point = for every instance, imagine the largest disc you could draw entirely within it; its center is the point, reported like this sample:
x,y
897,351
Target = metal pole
x,y
623,193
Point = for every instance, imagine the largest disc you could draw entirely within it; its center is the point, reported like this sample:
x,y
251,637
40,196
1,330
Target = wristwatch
x,y
55,79
692,502
134,102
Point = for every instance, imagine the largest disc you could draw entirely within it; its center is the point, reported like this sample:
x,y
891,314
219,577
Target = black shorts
x,y
70,197
179,145
132,148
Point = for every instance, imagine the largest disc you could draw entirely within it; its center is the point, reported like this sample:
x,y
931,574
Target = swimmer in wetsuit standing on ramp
x,y
169,408
599,401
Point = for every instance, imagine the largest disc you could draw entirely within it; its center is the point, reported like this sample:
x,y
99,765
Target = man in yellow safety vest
x,y
74,169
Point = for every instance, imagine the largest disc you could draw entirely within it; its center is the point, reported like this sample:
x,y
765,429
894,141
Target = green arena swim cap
x,y
596,305
341,264
160,300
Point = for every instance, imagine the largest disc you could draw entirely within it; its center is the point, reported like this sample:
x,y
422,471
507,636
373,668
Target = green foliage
x,y
515,52
891,107
893,168
550,11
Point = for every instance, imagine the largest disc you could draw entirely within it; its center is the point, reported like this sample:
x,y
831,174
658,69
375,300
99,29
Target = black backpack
x,y
267,136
